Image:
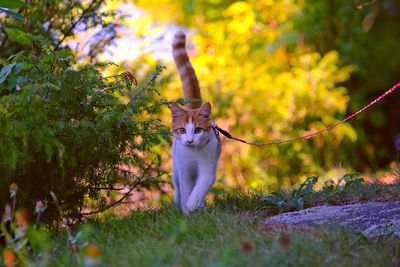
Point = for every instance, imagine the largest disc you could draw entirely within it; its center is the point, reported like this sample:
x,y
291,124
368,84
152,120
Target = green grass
x,y
225,236
228,232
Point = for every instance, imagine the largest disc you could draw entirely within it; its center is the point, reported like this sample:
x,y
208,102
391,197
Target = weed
x,y
283,201
31,245
348,182
350,188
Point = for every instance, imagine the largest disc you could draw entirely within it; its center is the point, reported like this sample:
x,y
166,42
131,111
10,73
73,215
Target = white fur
x,y
194,166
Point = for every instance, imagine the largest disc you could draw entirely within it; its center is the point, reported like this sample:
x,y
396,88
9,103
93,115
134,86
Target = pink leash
x,y
307,136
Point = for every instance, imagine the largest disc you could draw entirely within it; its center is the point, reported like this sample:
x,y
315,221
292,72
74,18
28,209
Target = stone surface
x,y
373,219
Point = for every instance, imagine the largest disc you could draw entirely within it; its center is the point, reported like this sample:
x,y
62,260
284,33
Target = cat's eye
x,y
181,130
198,130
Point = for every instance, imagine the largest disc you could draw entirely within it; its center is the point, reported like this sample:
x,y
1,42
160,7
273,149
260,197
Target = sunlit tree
x,y
265,83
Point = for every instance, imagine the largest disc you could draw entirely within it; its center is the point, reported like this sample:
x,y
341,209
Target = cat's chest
x,y
184,153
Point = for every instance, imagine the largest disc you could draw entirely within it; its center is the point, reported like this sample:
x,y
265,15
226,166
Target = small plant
x,y
16,232
348,189
347,182
24,244
284,201
298,199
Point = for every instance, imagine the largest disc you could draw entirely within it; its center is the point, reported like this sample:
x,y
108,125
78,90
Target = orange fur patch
x,y
193,115
190,84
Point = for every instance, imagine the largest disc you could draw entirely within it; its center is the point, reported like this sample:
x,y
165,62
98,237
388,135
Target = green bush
x,y
70,130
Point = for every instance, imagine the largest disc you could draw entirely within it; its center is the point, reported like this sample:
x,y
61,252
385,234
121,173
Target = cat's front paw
x,y
192,205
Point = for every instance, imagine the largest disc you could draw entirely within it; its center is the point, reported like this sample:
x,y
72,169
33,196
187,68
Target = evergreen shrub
x,y
73,131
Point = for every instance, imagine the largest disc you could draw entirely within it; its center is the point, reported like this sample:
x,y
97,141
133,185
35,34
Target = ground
x,y
229,232
372,219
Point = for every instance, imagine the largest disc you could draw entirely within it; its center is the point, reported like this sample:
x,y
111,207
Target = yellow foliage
x,y
264,85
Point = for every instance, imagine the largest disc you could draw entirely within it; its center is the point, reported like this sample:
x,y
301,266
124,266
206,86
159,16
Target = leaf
x,y
12,14
300,204
27,66
14,81
46,58
11,4
19,36
18,68
63,53
5,71
308,184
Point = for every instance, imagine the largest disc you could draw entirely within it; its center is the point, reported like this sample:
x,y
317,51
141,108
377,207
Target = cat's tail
x,y
190,84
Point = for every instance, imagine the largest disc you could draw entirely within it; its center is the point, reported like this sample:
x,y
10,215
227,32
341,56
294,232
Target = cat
x,y
196,146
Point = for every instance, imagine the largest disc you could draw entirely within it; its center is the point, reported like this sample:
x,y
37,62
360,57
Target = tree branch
x,y
126,195
156,73
74,24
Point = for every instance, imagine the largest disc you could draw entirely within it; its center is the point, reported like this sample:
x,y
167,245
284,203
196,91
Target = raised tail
x,y
190,84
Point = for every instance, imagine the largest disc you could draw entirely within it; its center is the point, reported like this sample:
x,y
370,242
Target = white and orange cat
x,y
197,146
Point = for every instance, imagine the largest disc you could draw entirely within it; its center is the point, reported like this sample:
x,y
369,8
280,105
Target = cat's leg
x,y
205,180
177,193
186,183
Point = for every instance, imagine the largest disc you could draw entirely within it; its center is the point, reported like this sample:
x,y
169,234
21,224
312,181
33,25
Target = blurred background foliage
x,y
280,69
272,70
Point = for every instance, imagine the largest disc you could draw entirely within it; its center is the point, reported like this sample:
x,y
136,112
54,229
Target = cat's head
x,y
192,127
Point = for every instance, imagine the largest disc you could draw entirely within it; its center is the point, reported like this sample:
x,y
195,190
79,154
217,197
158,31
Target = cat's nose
x,y
189,142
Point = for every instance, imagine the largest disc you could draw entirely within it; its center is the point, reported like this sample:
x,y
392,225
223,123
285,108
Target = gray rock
x,y
373,219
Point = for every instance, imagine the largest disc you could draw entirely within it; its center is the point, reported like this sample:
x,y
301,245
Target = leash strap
x,y
307,136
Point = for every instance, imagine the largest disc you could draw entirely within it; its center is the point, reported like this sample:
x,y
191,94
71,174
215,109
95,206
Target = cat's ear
x,y
205,110
176,111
